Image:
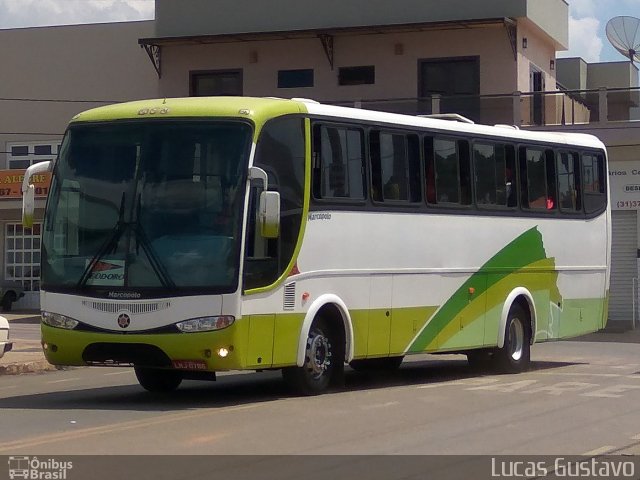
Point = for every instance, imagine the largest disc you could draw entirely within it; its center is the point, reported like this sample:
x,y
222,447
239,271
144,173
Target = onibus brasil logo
x,y
37,469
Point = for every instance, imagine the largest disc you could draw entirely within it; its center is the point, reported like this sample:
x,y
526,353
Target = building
x,y
492,61
610,93
360,50
48,75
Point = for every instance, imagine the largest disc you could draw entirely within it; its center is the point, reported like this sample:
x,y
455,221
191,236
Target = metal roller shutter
x,y
624,266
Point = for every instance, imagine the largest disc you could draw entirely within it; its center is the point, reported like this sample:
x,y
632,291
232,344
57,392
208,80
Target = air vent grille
x,y
134,308
290,296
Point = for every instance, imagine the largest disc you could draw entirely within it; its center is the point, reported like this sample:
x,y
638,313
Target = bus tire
x,y
157,380
377,364
320,364
515,355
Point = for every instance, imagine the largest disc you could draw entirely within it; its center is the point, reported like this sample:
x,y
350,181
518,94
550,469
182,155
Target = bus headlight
x,y
205,324
59,321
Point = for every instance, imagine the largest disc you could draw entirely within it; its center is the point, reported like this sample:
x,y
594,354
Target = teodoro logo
x,y
33,468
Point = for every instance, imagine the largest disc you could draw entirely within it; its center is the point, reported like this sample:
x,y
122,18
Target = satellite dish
x,y
624,35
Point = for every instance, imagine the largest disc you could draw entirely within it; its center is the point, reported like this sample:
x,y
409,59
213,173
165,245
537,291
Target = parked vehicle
x,y
9,293
5,344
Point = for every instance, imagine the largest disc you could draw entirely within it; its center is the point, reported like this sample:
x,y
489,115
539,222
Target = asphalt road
x,y
579,398
25,331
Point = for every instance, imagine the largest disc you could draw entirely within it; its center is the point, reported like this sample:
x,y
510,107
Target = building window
x,y
216,83
22,255
295,78
20,150
23,155
457,83
357,75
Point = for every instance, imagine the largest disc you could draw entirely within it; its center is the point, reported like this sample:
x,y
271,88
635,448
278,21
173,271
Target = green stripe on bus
x,y
525,250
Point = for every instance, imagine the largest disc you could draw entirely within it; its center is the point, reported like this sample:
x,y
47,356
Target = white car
x,y
5,344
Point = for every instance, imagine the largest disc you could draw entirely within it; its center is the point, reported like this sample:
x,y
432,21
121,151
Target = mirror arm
x,y
256,173
40,167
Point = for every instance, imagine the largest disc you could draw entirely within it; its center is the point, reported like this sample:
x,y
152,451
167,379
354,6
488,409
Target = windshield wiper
x,y
143,241
109,244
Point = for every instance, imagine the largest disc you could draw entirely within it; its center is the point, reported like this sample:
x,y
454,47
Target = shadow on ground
x,y
242,389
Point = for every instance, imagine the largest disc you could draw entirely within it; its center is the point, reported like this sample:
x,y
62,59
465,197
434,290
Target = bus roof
x,y
508,132
239,107
261,109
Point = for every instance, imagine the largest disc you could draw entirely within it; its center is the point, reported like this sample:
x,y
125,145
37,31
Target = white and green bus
x,y
189,236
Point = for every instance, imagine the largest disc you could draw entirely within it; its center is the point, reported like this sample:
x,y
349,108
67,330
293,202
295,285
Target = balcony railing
x,y
523,109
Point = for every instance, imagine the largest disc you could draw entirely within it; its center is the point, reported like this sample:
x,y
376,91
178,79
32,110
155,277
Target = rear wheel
x,y
157,380
515,355
322,361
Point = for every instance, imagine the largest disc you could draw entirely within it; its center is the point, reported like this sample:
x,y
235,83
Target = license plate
x,y
190,364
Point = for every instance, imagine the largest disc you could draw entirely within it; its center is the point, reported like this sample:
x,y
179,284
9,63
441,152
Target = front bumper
x,y
189,351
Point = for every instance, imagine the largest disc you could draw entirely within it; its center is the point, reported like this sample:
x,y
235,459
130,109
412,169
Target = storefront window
x,y
22,255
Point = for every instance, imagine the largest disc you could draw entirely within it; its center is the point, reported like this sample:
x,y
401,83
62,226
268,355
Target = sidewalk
x,y
26,356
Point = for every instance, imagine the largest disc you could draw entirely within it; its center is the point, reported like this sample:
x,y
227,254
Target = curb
x,y
37,366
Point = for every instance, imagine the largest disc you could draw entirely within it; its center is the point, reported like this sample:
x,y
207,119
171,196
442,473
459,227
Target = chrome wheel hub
x,y
516,339
318,355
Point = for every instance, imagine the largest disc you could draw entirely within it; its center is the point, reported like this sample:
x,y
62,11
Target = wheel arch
x,y
523,297
334,307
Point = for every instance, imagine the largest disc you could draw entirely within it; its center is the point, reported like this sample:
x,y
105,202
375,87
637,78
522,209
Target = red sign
x,y
11,183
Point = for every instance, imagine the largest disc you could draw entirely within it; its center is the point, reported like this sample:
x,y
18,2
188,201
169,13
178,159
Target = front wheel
x,y
515,355
322,361
157,380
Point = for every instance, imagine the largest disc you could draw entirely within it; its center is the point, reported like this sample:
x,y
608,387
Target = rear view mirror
x,y
28,191
28,206
269,214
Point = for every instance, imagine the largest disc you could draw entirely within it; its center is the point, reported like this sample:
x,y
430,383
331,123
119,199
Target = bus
x,y
185,237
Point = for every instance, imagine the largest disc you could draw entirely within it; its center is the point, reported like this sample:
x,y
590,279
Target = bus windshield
x,y
150,206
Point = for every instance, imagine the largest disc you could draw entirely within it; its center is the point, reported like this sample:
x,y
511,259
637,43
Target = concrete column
x,y
517,108
603,105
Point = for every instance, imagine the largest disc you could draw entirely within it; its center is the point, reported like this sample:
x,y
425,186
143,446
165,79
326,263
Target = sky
x,y
587,38
587,23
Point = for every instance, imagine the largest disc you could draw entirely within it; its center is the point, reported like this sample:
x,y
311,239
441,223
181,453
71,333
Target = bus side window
x,y
280,152
495,183
395,167
568,170
338,170
537,179
594,182
450,171
430,171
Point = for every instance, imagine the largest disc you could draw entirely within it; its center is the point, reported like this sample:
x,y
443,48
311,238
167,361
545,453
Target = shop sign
x,y
11,183
624,183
